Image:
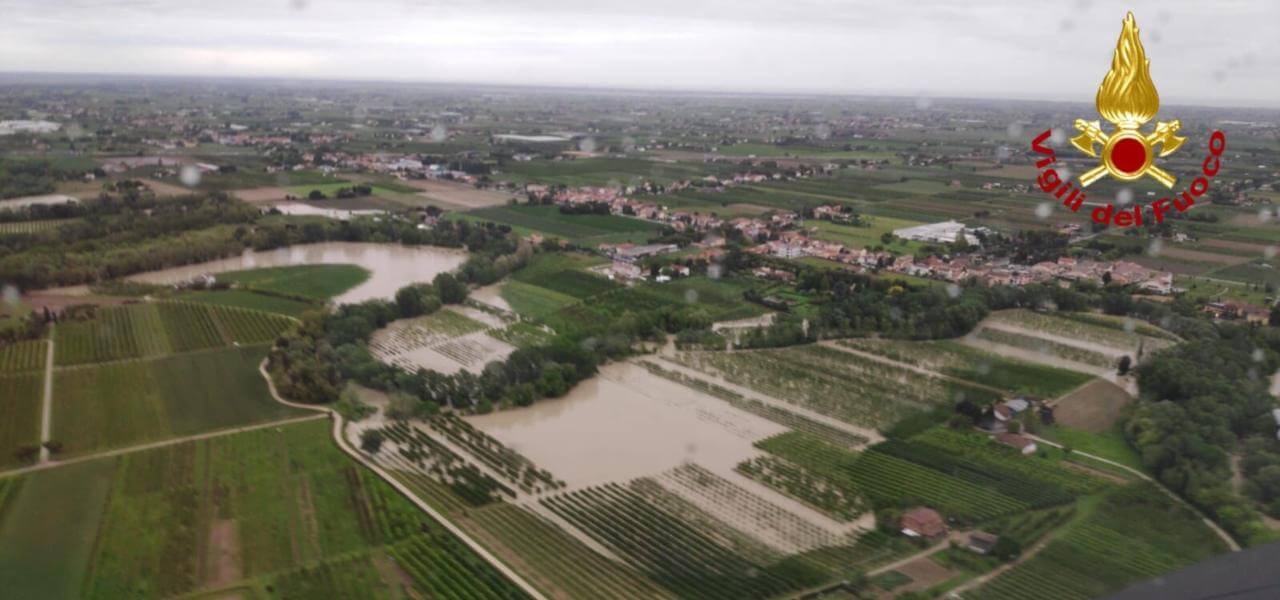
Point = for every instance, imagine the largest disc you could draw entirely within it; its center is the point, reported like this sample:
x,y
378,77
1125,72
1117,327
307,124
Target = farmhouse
x,y
923,522
629,253
1023,444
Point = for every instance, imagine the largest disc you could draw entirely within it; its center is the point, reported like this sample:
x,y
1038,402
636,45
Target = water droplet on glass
x,y
822,131
628,144
923,103
298,4
715,271
984,368
1124,196
1259,355
587,144
189,176
1057,137
1003,153
1269,252
1044,210
1014,131
1156,247
691,449
895,313
1130,325
691,296
439,133
1264,215
1065,174
953,290
10,294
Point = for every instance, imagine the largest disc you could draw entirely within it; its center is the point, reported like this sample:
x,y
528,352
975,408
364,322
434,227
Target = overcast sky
x,y
1224,52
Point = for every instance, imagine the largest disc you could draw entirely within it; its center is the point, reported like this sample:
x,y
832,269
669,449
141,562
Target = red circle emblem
x,y
1129,155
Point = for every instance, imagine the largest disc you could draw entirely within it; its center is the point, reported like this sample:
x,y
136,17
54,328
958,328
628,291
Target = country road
x,y
338,438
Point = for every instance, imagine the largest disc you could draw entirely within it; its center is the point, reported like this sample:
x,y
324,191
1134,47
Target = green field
x,y
47,529
250,300
158,328
978,366
30,227
132,402
723,298
964,476
866,237
1134,534
533,301
25,355
580,229
311,282
276,512
21,396
331,189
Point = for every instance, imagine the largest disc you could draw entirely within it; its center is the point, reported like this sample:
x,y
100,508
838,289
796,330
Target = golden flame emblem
x,y
1128,99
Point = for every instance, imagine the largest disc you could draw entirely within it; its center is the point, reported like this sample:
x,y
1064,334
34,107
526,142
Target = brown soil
x,y
1201,256
58,302
1233,245
1109,476
166,190
262,194
924,574
1093,407
224,566
457,195
392,575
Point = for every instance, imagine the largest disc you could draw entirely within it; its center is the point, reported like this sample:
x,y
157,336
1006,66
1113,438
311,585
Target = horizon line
x,y
1251,104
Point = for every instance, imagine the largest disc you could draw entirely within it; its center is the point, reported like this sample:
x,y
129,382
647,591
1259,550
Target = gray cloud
x,y
1218,53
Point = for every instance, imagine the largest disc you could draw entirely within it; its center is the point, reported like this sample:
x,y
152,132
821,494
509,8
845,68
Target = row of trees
x,y
119,236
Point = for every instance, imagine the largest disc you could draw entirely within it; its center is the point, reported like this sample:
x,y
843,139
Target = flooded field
x,y
628,423
25,201
392,266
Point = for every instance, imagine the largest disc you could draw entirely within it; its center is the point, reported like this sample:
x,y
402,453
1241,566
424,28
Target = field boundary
x,y
153,445
46,410
1226,537
338,438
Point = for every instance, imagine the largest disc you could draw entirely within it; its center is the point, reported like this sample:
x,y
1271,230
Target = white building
x,y
945,232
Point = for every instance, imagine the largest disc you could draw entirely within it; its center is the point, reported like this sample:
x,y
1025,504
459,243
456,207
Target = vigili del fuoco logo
x,y
1127,99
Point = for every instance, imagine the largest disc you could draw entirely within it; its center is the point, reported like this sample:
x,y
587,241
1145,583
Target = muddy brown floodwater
x,y
391,266
628,423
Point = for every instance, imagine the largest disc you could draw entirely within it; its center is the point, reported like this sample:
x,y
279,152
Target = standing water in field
x,y
391,266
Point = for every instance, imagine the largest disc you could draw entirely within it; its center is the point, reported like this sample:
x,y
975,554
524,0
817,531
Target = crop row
x,y
837,502
441,567
1047,347
993,476
415,450
153,329
670,550
781,416
558,558
886,480
26,355
982,450
746,511
839,384
488,450
972,364
1083,327
20,404
354,577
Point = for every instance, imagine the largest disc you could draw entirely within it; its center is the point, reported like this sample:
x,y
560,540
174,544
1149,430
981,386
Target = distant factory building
x,y
945,232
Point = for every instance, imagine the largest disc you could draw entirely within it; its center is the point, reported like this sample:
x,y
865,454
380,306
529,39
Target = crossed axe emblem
x,y
1127,154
